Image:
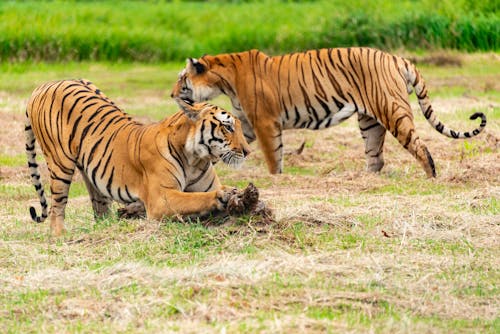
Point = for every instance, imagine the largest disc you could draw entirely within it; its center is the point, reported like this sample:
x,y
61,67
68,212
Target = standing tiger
x,y
317,89
167,166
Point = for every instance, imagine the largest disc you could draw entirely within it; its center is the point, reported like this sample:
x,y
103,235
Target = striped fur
x,y
315,90
168,166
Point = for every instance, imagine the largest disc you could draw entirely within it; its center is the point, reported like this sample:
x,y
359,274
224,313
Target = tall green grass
x,y
166,31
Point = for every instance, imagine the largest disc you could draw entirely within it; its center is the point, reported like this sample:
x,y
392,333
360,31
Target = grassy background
x,y
166,31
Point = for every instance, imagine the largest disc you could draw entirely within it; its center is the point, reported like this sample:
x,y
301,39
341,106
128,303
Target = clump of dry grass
x,y
439,59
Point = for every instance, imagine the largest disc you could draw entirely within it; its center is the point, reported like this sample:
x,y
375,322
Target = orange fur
x,y
317,89
168,166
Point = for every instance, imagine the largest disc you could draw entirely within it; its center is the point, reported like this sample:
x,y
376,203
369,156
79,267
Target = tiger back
x,y
167,166
317,89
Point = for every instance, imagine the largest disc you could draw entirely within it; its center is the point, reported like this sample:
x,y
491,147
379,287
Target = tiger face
x,y
217,135
197,83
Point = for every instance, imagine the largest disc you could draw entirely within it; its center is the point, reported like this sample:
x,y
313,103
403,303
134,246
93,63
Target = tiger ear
x,y
188,108
194,66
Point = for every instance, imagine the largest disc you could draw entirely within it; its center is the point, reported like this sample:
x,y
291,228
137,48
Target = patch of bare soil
x,y
439,59
13,174
11,133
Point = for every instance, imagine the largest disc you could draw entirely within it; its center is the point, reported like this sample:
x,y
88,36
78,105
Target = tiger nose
x,y
246,151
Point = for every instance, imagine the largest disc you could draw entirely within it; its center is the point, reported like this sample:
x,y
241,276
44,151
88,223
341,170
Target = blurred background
x,y
162,31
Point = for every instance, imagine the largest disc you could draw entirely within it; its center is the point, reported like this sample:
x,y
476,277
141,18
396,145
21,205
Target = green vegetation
x,y
14,160
166,31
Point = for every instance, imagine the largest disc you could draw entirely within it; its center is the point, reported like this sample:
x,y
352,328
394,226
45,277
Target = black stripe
x,y
199,177
210,185
369,126
212,133
408,139
175,155
96,112
309,107
131,198
440,127
339,104
94,173
55,177
428,112
106,164
93,149
110,181
84,134
72,108
120,195
61,199
74,129
327,110
297,118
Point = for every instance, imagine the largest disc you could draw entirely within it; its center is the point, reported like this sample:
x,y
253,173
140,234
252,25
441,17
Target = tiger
x,y
317,89
167,166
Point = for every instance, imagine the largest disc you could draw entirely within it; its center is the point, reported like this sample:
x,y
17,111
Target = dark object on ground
x,y
297,151
132,210
247,202
243,202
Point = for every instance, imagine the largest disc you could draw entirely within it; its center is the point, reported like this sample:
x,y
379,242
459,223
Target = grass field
x,y
349,252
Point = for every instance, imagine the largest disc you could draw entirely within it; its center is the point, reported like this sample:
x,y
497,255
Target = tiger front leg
x,y
271,143
174,202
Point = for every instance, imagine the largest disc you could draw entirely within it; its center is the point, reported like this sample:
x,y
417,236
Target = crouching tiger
x,y
168,166
315,90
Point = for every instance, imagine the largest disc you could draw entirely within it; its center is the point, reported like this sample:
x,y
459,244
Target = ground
x,y
350,251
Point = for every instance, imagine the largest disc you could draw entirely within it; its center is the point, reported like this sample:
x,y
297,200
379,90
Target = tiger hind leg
x,y
60,182
404,132
100,203
373,134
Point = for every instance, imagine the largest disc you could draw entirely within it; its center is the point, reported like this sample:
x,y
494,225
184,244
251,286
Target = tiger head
x,y
197,82
216,134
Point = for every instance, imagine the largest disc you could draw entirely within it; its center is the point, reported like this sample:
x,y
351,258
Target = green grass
x,y
166,31
17,191
489,205
13,160
152,83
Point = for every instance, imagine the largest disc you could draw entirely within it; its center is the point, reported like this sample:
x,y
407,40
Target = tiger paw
x,y
243,202
223,197
133,210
